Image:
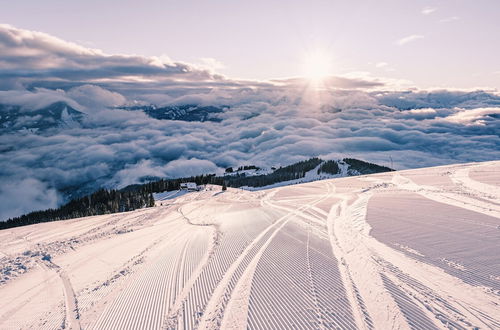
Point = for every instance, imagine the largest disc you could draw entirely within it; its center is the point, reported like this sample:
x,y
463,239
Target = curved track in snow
x,y
413,249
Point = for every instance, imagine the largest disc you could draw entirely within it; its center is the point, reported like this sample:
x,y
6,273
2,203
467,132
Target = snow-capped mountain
x,y
188,112
56,115
61,115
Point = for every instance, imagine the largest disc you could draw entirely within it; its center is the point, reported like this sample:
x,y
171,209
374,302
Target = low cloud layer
x,y
264,123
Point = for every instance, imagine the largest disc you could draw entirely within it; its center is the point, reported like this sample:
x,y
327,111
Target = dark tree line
x,y
330,167
364,167
287,173
175,184
242,168
100,202
109,201
141,195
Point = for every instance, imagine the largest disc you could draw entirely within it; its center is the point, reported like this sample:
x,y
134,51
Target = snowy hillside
x,y
411,249
313,175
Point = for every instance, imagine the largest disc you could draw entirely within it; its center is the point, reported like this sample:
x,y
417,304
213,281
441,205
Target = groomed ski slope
x,y
415,249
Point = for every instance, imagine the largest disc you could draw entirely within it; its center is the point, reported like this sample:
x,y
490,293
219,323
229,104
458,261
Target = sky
x,y
427,44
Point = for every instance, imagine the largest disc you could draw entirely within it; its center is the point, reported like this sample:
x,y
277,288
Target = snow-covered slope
x,y
411,249
310,176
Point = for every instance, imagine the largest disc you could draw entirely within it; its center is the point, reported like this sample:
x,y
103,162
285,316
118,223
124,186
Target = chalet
x,y
191,186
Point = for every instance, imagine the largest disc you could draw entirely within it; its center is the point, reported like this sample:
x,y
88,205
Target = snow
x,y
252,172
168,195
399,250
67,120
309,176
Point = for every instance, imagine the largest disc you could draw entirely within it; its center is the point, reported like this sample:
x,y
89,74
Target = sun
x,y
317,65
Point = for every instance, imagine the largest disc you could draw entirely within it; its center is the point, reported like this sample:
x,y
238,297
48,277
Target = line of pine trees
x,y
106,201
363,167
141,195
100,202
287,173
330,167
174,184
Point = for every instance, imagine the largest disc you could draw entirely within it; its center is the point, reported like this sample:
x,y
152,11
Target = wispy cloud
x,y
381,64
408,39
449,19
428,10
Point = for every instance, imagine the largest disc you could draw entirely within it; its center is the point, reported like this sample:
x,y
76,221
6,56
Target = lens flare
x,y
317,65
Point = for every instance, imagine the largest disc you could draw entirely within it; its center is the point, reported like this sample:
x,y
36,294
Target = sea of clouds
x,y
264,123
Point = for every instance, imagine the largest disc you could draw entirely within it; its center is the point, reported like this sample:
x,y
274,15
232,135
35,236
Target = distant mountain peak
x,y
186,112
58,114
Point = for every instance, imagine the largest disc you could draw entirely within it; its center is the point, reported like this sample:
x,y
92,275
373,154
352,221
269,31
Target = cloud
x,y
478,116
189,167
211,64
337,82
439,99
35,60
381,64
263,123
428,10
265,127
37,99
146,170
92,96
26,195
30,56
408,39
449,19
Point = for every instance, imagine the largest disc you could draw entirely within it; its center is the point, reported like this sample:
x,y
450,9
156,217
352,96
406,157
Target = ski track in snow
x,y
333,254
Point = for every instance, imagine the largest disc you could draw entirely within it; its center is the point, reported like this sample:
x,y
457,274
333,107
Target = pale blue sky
x,y
450,43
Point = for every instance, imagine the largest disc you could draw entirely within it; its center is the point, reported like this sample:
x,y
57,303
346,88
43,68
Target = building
x,y
191,186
